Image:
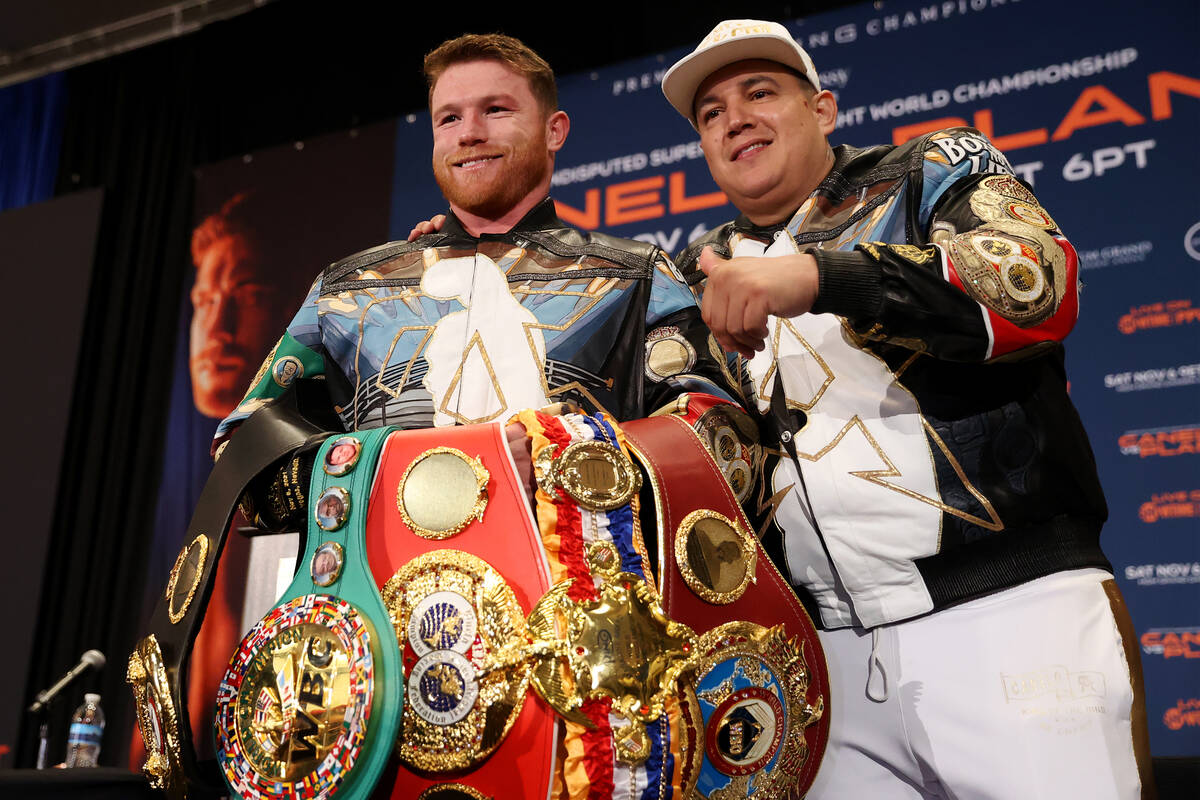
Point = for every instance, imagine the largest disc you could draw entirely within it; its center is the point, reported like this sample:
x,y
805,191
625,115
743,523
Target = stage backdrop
x,y
1097,106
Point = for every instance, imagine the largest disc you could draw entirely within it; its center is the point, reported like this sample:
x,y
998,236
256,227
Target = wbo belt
x,y
760,672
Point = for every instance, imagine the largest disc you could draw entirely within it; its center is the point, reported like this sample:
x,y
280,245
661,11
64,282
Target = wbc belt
x,y
310,703
760,672
157,669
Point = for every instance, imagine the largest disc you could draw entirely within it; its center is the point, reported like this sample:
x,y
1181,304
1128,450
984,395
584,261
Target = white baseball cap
x,y
733,40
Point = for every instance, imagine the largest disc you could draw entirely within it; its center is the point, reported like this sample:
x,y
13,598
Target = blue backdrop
x,y
1097,105
30,134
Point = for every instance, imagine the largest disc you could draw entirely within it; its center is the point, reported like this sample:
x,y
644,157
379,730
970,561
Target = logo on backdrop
x,y
1163,574
1158,315
1185,713
1183,504
1116,255
1191,241
1175,441
1156,378
1172,642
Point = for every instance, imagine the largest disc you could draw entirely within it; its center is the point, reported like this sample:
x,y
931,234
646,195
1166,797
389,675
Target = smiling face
x,y
493,143
763,131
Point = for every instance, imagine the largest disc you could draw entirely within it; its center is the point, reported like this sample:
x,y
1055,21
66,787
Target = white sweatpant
x,y
1020,695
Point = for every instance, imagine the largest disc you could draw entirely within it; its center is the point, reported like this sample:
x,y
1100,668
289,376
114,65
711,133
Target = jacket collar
x,y
834,183
539,218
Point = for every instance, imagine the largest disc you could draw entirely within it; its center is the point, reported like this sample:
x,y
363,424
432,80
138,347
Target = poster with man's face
x,y
266,224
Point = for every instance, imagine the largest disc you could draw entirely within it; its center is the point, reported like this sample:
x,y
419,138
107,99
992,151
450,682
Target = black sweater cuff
x,y
849,285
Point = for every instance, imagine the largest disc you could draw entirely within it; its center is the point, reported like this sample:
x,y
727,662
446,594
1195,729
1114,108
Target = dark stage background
x,y
1096,104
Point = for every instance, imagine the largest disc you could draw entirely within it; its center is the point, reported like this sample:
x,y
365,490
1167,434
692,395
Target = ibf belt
x,y
488,603
760,674
310,703
455,551
157,669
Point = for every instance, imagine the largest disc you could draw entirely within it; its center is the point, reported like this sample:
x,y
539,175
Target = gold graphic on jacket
x,y
1014,269
462,348
291,704
821,367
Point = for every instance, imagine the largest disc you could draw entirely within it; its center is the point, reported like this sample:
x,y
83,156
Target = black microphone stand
x,y
43,736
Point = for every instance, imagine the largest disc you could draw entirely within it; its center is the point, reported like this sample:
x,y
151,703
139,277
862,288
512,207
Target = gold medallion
x,y
286,370
185,578
621,645
462,636
342,456
294,705
715,555
731,436
1022,278
668,353
1030,214
1009,186
156,718
332,508
442,490
596,475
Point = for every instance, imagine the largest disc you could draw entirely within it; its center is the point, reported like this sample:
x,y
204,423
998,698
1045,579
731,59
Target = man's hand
x,y
428,226
742,292
521,448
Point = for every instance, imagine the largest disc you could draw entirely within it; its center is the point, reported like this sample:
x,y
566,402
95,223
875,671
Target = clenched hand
x,y
742,292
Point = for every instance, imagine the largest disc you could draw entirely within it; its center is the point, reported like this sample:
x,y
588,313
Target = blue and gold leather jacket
x,y
456,329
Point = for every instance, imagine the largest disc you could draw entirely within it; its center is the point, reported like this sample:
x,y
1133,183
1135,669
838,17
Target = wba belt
x,y
760,672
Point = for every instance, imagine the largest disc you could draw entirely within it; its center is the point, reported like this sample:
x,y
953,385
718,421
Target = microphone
x,y
92,658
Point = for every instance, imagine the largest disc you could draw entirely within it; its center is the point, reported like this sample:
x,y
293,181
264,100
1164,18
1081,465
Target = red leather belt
x,y
454,548
714,574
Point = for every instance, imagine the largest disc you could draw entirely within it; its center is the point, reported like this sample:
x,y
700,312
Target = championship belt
x,y
760,672
455,551
488,603
310,703
157,669
631,726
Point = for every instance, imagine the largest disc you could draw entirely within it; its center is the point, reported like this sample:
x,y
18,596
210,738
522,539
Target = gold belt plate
x,y
463,637
156,718
621,645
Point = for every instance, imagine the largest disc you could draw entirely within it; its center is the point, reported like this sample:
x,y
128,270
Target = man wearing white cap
x,y
899,313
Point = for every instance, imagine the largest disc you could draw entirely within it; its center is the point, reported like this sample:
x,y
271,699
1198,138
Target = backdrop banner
x,y
1097,107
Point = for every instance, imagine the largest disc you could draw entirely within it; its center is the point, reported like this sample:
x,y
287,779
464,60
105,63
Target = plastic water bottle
x,y
87,728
